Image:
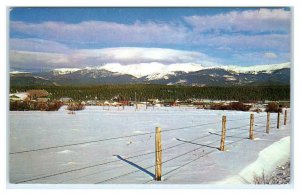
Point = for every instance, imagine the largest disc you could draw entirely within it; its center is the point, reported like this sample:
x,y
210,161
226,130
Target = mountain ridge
x,y
195,75
155,68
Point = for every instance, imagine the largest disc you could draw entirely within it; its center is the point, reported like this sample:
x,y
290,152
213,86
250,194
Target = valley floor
x,y
115,146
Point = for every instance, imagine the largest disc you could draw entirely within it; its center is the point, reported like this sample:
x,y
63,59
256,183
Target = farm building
x,y
37,93
42,100
19,96
66,100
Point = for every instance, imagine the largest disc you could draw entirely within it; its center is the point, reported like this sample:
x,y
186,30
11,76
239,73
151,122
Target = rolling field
x,y
102,145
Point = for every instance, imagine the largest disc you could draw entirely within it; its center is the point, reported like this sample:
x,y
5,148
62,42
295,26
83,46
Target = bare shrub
x,y
75,106
27,105
262,179
232,106
273,107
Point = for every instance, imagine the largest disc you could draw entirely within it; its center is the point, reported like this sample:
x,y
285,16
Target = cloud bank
x,y
257,21
102,32
80,58
256,35
272,26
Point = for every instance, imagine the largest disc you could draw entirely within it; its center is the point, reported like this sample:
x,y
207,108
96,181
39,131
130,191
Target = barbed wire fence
x,y
210,147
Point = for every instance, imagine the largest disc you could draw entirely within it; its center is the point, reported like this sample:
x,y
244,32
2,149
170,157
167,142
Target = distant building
x,y
43,100
66,100
19,96
106,103
37,93
153,101
125,103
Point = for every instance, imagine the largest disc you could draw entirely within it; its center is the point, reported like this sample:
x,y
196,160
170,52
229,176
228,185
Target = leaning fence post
x,y
268,123
285,116
278,120
251,126
222,145
158,154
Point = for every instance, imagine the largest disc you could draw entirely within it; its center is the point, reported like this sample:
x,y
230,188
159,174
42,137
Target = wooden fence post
x,y
278,120
136,106
285,117
222,145
268,123
251,126
158,154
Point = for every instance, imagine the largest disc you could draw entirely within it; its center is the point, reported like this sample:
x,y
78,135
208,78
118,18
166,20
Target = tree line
x,y
143,92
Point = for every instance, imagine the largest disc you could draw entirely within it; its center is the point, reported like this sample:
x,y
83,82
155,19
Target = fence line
x,y
202,156
167,148
81,143
132,172
240,127
216,141
144,154
189,162
116,177
186,127
101,140
105,163
108,139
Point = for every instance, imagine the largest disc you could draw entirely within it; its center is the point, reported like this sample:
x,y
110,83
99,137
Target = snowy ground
x,y
62,148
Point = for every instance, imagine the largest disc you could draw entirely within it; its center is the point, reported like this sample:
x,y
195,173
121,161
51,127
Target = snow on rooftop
x,y
21,95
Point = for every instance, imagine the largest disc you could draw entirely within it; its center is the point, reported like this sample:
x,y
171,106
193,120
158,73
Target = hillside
x,y
176,74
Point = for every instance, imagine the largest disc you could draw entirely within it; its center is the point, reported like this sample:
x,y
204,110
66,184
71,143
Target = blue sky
x,y
80,37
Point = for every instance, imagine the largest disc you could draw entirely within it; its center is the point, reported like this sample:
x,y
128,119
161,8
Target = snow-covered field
x,y
100,146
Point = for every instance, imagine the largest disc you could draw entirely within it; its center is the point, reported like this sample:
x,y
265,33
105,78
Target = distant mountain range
x,y
156,73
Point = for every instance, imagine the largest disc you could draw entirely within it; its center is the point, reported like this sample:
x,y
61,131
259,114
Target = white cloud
x,y
270,55
37,45
262,27
97,57
260,20
104,32
279,42
129,55
37,60
260,57
244,32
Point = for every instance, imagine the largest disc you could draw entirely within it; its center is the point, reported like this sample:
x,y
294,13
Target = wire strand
x,y
80,143
113,138
99,164
116,177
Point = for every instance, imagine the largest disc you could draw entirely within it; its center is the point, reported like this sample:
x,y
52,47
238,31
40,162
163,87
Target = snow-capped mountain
x,y
157,73
155,70
62,71
256,68
18,72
